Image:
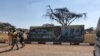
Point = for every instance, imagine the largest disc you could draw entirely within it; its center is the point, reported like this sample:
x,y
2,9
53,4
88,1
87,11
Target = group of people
x,y
15,37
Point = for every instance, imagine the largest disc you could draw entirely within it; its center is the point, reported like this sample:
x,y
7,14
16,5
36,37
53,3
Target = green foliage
x,y
6,26
63,15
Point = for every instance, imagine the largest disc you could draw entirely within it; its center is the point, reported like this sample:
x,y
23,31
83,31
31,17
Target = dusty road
x,y
48,50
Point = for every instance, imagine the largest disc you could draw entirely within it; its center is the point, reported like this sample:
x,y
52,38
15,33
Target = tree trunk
x,y
63,30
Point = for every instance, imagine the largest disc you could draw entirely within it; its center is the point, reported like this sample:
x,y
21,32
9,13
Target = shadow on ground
x,y
8,50
5,51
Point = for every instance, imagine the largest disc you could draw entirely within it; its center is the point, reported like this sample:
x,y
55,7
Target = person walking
x,y
15,40
10,35
21,36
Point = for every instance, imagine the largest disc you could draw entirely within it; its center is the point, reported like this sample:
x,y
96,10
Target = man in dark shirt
x,y
21,38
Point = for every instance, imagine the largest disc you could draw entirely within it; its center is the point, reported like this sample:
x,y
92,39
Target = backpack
x,y
20,34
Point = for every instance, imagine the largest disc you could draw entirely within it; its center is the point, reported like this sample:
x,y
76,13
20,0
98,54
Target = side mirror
x,y
98,34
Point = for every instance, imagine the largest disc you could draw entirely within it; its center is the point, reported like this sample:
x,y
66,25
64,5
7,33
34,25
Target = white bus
x,y
97,42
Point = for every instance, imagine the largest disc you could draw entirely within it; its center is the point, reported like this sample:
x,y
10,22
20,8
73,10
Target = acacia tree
x,y
63,16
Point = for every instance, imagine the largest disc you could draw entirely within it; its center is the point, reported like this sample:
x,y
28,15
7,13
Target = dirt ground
x,y
47,50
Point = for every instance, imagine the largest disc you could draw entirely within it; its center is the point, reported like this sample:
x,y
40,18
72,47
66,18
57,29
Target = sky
x,y
26,13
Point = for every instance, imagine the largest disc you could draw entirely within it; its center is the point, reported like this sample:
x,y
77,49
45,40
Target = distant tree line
x,y
6,26
90,30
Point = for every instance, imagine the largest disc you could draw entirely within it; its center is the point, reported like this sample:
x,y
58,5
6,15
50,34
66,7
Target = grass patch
x,y
89,38
3,37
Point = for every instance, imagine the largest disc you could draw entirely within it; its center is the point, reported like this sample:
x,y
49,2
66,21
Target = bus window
x,y
98,34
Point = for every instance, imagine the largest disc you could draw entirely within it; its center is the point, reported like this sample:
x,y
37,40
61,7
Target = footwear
x,y
21,47
17,49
